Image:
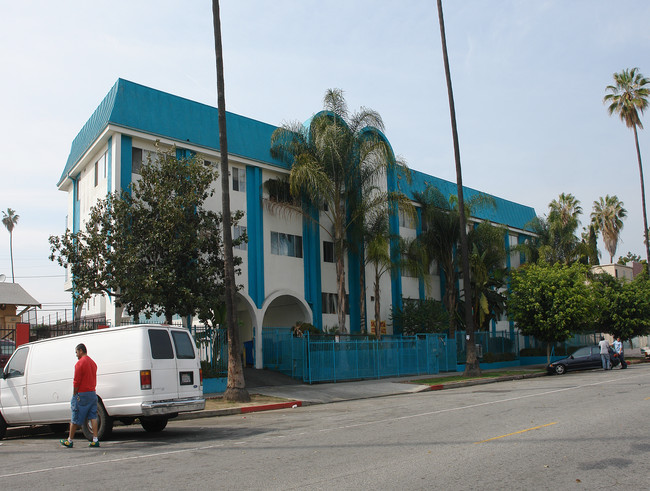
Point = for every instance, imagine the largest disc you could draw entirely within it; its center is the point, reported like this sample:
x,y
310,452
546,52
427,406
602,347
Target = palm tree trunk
x,y
645,216
472,367
11,253
236,386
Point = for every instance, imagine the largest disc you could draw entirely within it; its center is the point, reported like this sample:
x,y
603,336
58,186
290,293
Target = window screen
x,y
161,345
183,345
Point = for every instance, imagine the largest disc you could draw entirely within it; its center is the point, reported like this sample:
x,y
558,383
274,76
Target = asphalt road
x,y
584,430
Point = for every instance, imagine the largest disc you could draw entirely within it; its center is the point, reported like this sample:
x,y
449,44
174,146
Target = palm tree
x,y
607,217
10,220
471,364
236,386
439,241
563,223
489,273
377,239
628,97
337,162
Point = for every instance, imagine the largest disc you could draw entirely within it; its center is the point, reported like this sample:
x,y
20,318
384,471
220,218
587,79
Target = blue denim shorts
x,y
84,406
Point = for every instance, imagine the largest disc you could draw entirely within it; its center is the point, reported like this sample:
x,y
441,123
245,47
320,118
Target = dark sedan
x,y
584,358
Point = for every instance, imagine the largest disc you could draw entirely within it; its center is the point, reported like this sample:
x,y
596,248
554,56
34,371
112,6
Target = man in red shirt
x,y
84,397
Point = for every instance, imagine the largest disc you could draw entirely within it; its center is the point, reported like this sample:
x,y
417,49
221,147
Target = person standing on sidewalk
x,y
84,398
618,347
604,354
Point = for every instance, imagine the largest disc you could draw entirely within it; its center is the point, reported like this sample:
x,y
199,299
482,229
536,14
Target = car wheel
x,y
153,424
3,427
560,369
104,422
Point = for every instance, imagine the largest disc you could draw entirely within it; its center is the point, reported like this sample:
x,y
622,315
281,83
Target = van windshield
x,y
183,345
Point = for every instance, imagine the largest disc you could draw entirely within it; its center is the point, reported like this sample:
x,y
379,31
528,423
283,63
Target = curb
x,y
210,413
483,381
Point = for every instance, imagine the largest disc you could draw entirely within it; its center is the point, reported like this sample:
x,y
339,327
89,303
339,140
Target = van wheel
x,y
104,421
153,424
3,427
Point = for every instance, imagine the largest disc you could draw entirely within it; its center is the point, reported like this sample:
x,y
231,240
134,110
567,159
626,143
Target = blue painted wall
x,y
255,231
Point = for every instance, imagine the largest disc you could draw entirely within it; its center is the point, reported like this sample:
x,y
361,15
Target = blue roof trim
x,y
141,108
506,212
145,109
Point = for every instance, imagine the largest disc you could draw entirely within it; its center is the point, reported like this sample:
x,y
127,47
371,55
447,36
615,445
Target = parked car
x,y
645,351
584,358
7,347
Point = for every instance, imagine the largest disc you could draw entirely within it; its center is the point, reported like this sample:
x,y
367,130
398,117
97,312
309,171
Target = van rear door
x,y
164,386
189,379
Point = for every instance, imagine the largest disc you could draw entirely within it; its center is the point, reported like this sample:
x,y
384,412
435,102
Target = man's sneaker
x,y
66,443
94,444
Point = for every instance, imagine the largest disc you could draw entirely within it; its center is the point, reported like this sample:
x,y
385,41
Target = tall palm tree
x,y
471,364
236,386
628,97
10,220
607,217
337,162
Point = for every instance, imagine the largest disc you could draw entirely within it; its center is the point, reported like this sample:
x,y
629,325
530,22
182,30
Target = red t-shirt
x,y
85,375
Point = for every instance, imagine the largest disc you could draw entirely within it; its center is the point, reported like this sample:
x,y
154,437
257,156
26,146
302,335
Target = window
x,y
286,244
96,173
330,303
238,179
16,366
161,345
136,160
405,220
328,252
183,345
240,231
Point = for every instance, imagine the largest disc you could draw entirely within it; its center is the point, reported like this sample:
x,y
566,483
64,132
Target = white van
x,y
151,372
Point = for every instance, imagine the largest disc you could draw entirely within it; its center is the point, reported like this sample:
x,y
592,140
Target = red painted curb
x,y
436,387
269,407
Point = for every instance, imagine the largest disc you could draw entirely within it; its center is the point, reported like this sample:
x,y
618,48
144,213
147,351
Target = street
x,y
584,430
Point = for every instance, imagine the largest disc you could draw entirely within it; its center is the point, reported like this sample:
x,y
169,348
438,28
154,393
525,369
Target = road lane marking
x,y
517,432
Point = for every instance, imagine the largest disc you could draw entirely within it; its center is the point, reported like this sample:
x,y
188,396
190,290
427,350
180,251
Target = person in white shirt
x,y
604,354
618,347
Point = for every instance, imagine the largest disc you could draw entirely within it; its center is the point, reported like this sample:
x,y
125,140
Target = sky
x,y
528,78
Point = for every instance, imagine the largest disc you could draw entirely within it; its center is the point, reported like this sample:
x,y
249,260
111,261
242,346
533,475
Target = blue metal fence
x,y
335,358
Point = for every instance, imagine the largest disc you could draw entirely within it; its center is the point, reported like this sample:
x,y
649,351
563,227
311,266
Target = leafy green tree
x,y
421,316
10,220
551,302
629,258
155,248
607,218
623,306
628,97
335,161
